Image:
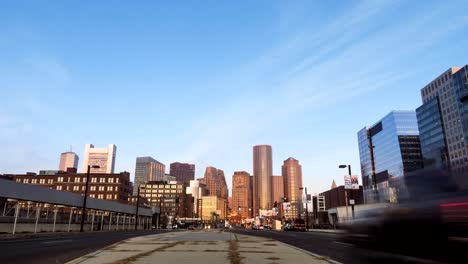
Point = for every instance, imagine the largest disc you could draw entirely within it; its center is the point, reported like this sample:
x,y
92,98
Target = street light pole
x,y
307,210
137,206
83,211
346,192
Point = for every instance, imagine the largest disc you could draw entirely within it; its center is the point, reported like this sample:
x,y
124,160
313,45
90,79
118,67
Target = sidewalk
x,y
207,247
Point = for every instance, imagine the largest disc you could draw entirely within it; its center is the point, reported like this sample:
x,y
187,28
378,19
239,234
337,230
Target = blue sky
x,y
204,81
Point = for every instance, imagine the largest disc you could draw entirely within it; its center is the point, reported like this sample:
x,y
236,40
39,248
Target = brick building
x,y
184,172
115,187
169,196
336,197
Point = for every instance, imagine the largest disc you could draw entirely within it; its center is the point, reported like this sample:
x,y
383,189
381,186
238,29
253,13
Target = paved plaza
x,y
213,246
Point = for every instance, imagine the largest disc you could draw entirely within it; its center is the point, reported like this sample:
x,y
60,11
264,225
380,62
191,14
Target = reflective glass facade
x,y
451,90
432,135
388,150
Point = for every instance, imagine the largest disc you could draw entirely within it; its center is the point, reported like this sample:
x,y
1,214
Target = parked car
x,y
296,225
258,227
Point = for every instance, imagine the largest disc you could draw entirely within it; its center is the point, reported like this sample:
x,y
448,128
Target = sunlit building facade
x,y
169,196
262,172
147,169
68,160
277,189
197,190
215,182
241,195
103,159
292,179
213,208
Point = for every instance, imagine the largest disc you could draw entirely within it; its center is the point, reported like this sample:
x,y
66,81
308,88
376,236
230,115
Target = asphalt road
x,y
331,245
60,249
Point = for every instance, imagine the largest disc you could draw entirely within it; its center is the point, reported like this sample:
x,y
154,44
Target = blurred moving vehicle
x,y
296,225
431,211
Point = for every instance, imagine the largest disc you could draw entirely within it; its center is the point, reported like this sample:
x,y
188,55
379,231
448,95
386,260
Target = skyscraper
x,y
215,182
262,172
184,172
277,189
102,157
388,151
147,169
292,178
68,160
241,194
223,185
443,120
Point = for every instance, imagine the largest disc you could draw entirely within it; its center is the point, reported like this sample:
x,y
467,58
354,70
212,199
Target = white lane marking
x,y
343,243
57,241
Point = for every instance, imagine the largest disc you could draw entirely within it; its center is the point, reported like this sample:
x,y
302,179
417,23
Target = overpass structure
x,y
28,208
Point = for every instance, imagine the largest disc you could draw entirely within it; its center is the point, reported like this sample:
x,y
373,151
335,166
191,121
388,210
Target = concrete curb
x,y
92,254
320,257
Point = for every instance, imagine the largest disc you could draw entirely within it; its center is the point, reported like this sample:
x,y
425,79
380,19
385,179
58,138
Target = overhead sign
x,y
351,182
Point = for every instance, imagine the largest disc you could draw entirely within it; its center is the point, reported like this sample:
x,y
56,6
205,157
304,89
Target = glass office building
x,y
388,151
432,135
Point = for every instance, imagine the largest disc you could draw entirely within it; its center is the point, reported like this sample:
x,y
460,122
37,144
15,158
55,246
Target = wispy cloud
x,y
312,70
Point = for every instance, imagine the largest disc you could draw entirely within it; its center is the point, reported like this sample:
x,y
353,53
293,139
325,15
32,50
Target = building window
x,y
115,196
84,179
101,188
94,179
116,189
109,196
34,181
109,188
93,188
100,196
77,179
60,179
50,181
59,188
41,181
111,180
18,180
83,188
92,195
76,188
26,181
117,180
102,180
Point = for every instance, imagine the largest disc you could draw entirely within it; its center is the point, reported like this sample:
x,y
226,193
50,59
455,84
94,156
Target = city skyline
x,y
321,92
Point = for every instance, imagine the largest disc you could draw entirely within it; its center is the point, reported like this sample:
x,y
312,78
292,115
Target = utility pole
x,y
137,206
307,209
83,211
